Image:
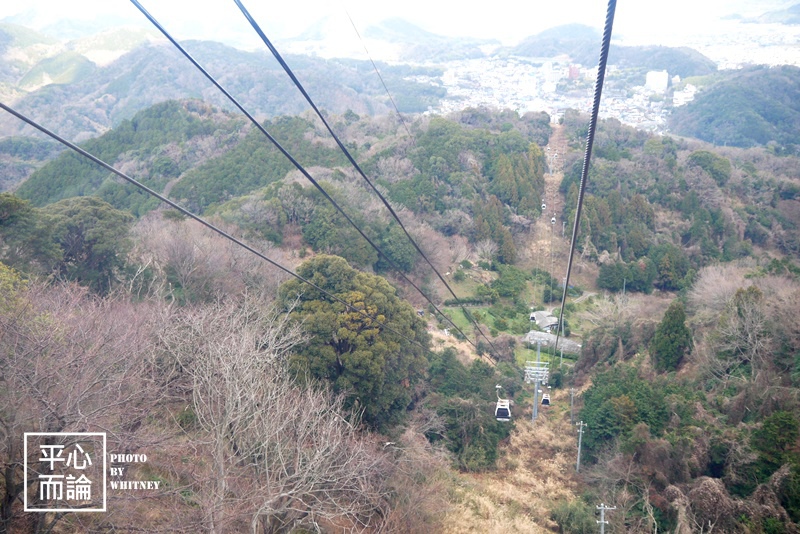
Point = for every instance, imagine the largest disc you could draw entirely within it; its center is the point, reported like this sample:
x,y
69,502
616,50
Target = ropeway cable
x,y
552,271
294,162
353,162
598,91
374,66
199,219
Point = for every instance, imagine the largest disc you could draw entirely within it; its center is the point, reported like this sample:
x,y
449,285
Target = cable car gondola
x,y
502,411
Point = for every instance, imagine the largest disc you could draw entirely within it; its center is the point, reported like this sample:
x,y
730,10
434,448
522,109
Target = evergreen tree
x,y
26,240
508,252
375,365
672,339
504,184
612,276
93,237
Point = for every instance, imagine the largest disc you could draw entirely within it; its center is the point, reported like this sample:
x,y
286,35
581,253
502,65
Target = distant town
x,y
555,84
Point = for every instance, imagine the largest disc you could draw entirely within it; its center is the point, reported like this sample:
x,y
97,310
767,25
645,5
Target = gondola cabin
x,y
503,410
545,399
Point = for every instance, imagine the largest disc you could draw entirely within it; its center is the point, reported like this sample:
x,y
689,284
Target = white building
x,y
657,81
681,98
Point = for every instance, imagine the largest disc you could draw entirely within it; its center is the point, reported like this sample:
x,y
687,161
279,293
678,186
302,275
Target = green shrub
x,y
718,167
187,419
574,517
773,525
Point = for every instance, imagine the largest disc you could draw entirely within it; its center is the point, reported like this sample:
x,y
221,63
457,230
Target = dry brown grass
x,y
440,342
537,468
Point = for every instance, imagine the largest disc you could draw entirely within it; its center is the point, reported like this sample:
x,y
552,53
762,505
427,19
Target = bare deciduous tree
x,y
486,249
189,261
713,289
742,336
418,476
284,454
70,363
394,169
460,250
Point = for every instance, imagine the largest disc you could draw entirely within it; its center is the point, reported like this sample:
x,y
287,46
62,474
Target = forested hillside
x,y
752,107
20,156
379,407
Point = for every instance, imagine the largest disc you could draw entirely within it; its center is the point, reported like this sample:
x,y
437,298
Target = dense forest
x,y
684,302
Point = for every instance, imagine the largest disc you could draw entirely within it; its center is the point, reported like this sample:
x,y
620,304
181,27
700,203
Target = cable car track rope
x,y
598,91
374,66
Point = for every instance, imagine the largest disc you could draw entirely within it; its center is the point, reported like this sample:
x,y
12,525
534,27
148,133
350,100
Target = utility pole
x,y
571,405
580,439
603,521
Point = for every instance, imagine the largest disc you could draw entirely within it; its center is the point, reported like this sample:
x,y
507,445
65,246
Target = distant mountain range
x,y
575,40
582,44
83,87
82,99
420,45
790,15
394,39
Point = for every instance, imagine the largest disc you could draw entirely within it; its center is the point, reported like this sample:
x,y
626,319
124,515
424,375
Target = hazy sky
x,y
642,21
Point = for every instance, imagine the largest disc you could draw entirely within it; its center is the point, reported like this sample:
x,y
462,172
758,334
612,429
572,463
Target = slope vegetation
x,y
688,370
755,106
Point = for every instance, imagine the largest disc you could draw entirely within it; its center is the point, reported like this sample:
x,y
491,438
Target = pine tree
x,y
672,340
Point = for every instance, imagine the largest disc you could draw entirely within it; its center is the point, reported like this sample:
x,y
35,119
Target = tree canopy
x,y
376,361
93,240
672,340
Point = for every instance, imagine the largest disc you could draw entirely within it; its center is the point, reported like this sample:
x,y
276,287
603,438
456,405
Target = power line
x,y
197,218
552,271
293,161
598,91
351,159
